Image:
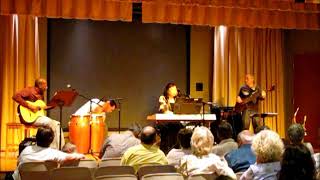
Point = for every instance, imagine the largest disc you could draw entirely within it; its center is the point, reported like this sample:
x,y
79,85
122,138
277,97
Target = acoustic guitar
x,y
27,116
240,107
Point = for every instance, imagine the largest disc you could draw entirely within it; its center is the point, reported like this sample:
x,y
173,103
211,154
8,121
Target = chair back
x,y
70,173
154,169
36,170
110,162
114,170
203,177
117,177
162,176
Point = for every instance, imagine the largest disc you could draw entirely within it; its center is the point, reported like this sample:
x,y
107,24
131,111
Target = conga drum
x,y
98,131
79,132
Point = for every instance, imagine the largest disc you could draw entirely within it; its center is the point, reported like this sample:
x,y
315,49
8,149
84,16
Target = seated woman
x,y
297,163
268,147
202,161
184,137
168,98
168,130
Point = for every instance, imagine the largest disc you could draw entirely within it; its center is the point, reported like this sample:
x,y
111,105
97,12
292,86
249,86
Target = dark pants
x,y
168,134
246,118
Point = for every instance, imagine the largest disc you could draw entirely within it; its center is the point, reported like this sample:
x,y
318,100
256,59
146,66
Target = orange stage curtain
x,y
238,51
20,63
79,9
239,13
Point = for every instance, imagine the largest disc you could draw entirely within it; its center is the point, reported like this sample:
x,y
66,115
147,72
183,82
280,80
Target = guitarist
x,y
33,94
248,98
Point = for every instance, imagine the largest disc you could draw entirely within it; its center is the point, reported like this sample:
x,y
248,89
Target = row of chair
x,y
50,170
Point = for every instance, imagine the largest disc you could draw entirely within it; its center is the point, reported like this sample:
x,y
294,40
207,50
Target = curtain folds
x,y
80,9
20,63
238,51
237,13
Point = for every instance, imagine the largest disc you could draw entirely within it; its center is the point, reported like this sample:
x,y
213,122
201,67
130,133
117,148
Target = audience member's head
x,y
296,133
135,128
260,128
184,138
148,135
267,146
69,148
245,137
297,163
224,130
201,141
44,136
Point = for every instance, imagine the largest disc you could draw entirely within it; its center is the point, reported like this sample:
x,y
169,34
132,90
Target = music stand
x,y
264,115
62,98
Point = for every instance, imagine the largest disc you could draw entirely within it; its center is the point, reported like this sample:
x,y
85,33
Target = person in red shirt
x,y
33,94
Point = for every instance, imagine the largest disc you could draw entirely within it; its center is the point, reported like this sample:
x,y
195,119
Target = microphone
x,y
70,87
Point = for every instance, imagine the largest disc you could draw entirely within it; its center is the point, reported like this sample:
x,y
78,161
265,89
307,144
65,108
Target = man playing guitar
x,y
248,101
31,99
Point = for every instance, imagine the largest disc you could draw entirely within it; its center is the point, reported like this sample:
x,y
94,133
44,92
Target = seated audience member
x,y
116,144
297,163
260,128
268,147
226,144
240,159
42,152
296,135
146,153
184,137
202,160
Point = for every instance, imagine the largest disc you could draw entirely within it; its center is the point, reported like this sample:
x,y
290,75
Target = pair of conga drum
x,y
87,132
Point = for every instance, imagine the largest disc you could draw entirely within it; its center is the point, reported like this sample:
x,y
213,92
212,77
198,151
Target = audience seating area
x,y
79,171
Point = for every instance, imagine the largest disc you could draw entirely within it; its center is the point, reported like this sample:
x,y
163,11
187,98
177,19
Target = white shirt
x,y
85,109
39,154
174,156
211,163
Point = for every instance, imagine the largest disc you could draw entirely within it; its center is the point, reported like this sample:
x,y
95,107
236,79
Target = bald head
x,y
148,135
41,84
245,137
250,80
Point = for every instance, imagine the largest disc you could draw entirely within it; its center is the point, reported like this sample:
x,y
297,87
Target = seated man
x,y
27,97
116,144
145,153
241,159
174,156
296,135
42,152
226,144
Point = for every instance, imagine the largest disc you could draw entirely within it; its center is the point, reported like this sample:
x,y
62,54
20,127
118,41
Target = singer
x,y
168,98
168,131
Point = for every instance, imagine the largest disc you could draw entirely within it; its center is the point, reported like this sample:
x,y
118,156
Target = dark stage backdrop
x,y
133,61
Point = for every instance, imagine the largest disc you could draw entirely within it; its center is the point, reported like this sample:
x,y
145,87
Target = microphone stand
x,y
119,112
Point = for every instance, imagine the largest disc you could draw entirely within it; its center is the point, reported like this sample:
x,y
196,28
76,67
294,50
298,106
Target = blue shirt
x,y
239,160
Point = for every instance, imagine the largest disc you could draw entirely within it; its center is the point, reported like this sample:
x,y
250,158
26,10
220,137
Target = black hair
x,y
148,138
44,136
184,138
296,133
297,163
113,103
224,130
260,128
168,86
